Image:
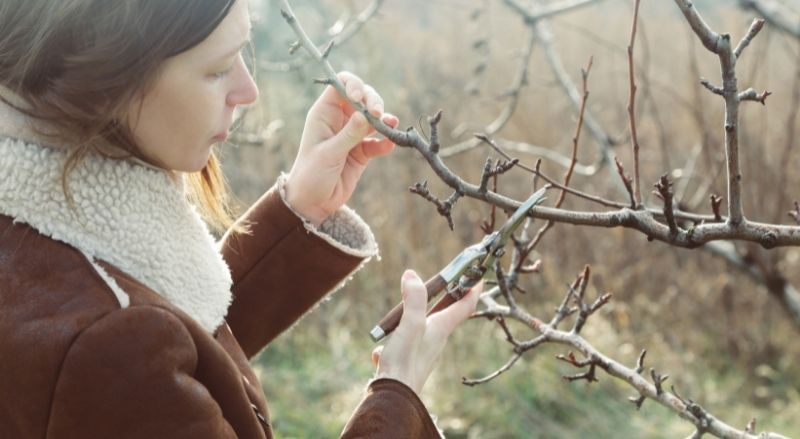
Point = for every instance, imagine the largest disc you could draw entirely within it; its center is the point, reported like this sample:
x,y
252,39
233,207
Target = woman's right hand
x,y
414,348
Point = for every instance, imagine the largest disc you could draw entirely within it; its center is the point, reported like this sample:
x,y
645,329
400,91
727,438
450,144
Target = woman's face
x,y
190,106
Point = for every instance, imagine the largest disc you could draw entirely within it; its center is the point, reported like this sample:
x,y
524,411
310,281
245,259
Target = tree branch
x,y
776,13
684,408
347,32
720,44
637,191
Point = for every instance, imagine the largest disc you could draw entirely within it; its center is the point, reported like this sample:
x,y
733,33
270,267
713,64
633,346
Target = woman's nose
x,y
245,90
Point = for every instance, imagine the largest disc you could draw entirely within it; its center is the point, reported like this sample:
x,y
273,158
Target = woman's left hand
x,y
333,149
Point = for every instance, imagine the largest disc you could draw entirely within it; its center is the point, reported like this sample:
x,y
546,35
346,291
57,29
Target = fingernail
x,y
408,274
388,119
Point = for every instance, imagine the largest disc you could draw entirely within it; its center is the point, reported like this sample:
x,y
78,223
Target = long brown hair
x,y
79,64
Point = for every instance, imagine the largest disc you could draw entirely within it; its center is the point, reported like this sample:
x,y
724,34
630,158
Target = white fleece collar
x,y
131,216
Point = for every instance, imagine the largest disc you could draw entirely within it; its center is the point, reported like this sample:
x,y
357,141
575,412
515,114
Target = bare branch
x,y
398,137
445,208
578,127
596,199
347,32
568,175
564,310
637,192
502,283
488,225
711,40
751,95
768,235
549,180
665,193
589,375
327,51
776,13
519,82
602,139
715,202
751,426
755,28
434,123
711,87
721,45
639,400
640,361
474,382
698,434
626,180
795,214
658,379
485,138
547,153
686,409
502,322
544,11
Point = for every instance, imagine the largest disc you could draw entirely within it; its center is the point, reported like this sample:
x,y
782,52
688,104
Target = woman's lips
x,y
221,137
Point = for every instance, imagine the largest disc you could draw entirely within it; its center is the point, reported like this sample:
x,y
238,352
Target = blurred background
x,y
718,326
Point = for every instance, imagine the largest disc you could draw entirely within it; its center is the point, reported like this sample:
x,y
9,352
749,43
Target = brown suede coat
x,y
73,364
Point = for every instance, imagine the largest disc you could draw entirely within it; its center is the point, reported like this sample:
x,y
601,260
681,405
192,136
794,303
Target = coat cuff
x,y
284,266
391,410
344,229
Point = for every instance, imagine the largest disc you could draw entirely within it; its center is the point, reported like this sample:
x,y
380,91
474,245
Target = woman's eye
x,y
222,74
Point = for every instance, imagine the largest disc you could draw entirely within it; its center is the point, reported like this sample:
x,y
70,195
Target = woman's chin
x,y
196,164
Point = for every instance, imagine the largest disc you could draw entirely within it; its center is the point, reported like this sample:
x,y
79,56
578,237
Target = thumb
x,y
376,355
447,319
353,133
412,323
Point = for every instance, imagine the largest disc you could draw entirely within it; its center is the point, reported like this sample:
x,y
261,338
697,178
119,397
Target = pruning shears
x,y
465,270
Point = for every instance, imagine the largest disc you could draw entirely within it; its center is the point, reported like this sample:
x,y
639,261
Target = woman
x,y
120,317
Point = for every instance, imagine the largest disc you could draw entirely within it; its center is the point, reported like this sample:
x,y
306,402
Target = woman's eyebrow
x,y
245,43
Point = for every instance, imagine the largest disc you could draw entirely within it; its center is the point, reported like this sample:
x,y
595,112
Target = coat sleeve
x,y
131,375
285,265
390,410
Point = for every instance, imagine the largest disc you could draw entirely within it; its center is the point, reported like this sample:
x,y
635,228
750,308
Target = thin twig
x,y
349,30
637,192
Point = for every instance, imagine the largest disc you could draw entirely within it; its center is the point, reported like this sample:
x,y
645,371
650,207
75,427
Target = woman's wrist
x,y
295,202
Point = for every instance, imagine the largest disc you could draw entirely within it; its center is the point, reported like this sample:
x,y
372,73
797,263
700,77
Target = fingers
x,y
350,135
371,148
353,85
374,101
446,320
391,120
359,92
356,128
